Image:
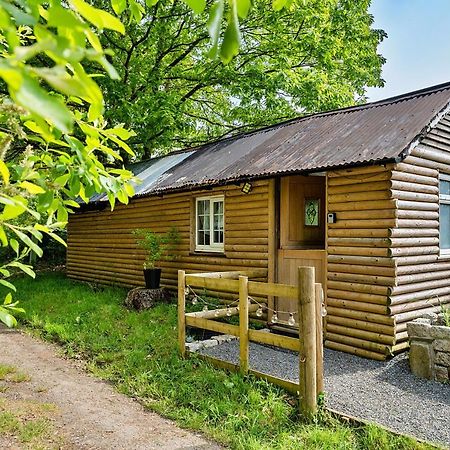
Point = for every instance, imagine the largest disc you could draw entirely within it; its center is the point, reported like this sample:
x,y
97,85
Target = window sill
x,y
218,253
444,257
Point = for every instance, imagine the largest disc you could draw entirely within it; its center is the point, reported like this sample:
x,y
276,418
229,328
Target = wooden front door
x,y
302,233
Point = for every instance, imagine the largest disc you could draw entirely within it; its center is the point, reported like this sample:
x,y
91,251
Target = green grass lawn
x,y
137,353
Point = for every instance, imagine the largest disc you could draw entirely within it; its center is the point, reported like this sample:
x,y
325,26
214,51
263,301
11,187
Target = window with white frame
x,y
209,233
444,214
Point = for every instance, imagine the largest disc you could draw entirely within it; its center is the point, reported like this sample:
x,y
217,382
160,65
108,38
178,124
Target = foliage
x,y
137,352
446,315
313,56
157,246
55,145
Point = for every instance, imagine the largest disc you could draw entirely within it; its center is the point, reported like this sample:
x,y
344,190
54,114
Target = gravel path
x,y
91,414
383,392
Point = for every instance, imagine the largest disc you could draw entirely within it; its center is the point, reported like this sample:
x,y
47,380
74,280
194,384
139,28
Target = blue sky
x,y
418,45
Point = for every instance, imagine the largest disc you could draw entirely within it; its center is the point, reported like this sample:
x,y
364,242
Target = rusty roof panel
x,y
368,134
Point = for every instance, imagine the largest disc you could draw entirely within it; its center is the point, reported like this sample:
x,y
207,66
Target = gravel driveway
x,y
383,392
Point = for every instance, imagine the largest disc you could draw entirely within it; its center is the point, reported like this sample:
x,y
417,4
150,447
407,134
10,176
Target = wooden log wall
x,y
361,269
423,277
384,267
101,247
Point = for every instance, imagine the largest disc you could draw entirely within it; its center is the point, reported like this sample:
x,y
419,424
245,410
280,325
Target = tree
x,y
55,145
54,141
57,148
318,55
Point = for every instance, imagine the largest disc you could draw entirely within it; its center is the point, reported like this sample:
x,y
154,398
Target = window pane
x,y
201,207
444,226
201,223
218,207
207,238
218,237
201,238
218,222
444,187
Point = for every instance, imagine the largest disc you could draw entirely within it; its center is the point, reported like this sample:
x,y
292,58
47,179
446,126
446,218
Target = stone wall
x,y
429,355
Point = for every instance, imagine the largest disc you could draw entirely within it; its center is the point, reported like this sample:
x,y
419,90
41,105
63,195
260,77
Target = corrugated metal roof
x,y
151,172
361,135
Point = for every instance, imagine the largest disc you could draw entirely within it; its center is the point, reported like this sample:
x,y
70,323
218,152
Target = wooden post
x,y
272,243
243,324
307,323
319,337
182,312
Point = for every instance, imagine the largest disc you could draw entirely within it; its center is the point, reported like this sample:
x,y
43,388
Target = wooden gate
x,y
308,296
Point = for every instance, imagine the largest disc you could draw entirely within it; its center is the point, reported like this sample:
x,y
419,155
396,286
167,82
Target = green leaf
x,y
62,215
120,132
243,6
14,309
26,92
215,25
20,16
62,180
232,38
62,17
136,10
58,239
28,242
8,299
8,285
129,189
45,199
35,233
7,318
119,6
122,197
14,245
101,19
13,211
24,268
197,6
3,237
122,145
31,187
277,5
4,172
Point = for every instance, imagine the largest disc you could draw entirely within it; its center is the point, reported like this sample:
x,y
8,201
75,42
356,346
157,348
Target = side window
x,y
209,223
444,214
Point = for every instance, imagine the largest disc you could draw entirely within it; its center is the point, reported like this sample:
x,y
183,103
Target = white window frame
x,y
217,247
443,199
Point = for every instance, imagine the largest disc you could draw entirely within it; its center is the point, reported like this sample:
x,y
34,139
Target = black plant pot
x,y
152,278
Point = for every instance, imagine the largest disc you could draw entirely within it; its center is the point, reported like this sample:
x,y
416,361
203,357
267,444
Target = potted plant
x,y
157,247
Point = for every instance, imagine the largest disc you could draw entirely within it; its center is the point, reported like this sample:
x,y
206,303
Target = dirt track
x,y
91,414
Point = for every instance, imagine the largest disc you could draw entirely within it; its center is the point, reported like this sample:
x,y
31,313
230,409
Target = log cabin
x,y
360,193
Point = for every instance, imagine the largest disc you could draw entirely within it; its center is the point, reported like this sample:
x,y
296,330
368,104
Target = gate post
x,y
308,344
319,337
243,324
182,312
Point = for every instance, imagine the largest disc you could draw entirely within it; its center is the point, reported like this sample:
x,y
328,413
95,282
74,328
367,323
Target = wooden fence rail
x,y
308,296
